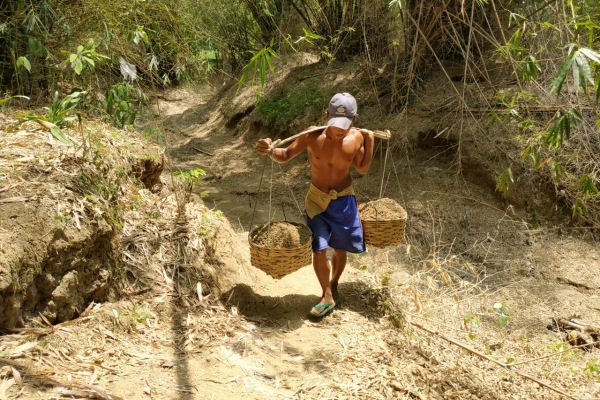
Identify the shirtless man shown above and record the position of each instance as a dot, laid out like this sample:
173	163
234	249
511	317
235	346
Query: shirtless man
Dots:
331	209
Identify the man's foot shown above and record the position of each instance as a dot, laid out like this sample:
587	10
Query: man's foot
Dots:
321	309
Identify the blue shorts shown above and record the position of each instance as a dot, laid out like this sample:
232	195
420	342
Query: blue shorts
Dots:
338	227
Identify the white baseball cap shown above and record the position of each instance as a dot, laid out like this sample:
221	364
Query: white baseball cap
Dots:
342	110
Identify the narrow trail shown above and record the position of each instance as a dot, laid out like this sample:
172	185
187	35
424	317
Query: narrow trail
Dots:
473	239
288	355
284	353
467	251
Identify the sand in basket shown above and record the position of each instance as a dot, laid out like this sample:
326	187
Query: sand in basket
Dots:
280	248
383	222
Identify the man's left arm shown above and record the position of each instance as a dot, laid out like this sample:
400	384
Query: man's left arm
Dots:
364	156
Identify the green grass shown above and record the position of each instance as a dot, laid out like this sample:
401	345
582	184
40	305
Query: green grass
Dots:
306	98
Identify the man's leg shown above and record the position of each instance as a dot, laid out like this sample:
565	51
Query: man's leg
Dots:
321	266
338	263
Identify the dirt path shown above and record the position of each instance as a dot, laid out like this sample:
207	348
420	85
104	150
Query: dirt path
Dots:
467	252
466	229
284	353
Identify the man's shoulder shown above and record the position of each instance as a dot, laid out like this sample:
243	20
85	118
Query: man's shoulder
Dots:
315	133
356	135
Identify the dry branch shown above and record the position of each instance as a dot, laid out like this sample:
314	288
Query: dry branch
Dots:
499	363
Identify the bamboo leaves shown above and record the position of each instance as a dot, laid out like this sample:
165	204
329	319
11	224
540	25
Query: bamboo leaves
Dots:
504	181
561	129
258	64
578	62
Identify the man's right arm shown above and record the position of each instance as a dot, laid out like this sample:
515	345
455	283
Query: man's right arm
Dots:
282	155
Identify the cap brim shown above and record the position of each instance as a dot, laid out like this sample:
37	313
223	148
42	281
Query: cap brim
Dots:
339	122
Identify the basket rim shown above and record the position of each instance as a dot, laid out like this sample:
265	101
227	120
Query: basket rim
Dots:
382	220
253	232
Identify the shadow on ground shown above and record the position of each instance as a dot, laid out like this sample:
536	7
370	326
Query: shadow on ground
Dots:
290	311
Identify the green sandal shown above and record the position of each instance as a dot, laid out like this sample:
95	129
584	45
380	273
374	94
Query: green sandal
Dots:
321	309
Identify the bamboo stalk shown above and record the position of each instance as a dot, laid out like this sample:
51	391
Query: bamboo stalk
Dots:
280	142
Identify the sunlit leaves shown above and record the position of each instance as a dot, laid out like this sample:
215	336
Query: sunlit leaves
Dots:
397	3
309	37
84	59
61	136
578	62
191	176
560	131
61	108
587	187
138	36
153	64
258	64
532	155
558	171
529	69
121	103
504	181
24	62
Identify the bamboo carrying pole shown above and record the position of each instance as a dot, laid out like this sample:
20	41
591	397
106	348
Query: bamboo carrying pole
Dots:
280	142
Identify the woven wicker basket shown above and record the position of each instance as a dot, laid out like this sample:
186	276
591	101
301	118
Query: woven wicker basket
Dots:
384	232
279	262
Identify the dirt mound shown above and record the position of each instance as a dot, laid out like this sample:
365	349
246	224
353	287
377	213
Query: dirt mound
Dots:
280	235
382	209
60	216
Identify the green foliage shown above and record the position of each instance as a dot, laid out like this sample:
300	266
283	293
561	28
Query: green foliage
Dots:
531	155
121	103
4	101
558	171
513	49
84	59
508	106
504	181
191	177
23	62
309	37
535	218
139	35
153	133
529	69
503	313
283	108
587	187
593	368
258	64
560	131
578	62
60	109
471	323
138	314
61	136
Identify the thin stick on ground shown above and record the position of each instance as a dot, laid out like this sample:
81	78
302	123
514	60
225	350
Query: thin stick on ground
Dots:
503	365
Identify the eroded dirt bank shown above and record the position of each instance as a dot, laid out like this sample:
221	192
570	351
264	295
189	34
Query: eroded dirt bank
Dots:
197	321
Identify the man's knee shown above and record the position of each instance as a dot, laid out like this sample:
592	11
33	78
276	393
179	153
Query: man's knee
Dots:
320	253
